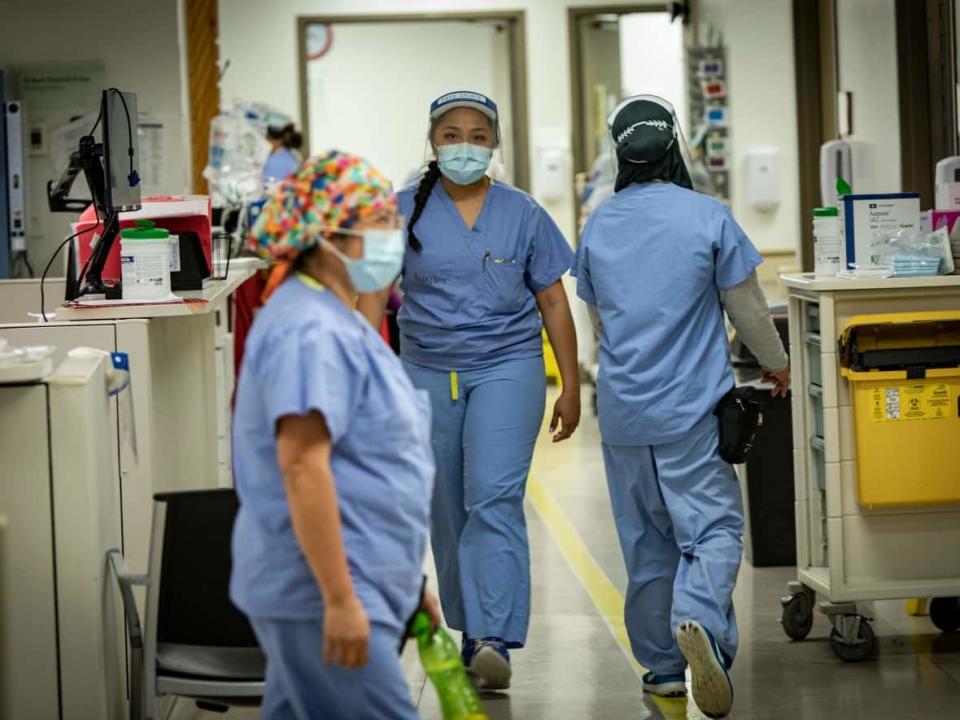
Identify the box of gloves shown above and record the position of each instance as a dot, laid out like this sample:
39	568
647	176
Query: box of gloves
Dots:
869	221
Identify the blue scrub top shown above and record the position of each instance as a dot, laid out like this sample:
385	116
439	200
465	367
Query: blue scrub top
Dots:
306	352
654	259
280	165
469	295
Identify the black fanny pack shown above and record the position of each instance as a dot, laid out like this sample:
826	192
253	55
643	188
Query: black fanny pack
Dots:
740	412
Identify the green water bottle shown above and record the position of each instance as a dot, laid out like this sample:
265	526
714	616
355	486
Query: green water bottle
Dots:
441	661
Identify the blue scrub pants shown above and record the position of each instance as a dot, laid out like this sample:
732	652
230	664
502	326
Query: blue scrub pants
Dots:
484	432
300	686
679	515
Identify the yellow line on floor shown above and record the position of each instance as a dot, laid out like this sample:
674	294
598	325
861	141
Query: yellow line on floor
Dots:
604	594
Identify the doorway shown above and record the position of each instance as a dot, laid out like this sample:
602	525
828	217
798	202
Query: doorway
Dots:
616	53
352	99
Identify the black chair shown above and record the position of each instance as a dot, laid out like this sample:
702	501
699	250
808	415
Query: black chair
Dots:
194	642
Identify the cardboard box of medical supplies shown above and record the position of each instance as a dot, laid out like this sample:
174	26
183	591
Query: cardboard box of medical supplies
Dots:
867	221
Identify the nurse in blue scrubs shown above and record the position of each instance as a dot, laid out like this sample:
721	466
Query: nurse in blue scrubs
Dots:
284	158
332	457
481	279
661	263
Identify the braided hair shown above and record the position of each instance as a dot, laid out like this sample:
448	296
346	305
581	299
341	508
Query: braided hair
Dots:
423	193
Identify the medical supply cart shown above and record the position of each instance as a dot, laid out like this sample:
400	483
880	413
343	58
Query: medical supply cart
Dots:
875	374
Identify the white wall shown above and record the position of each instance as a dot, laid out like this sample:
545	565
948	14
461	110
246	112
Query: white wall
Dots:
652	59
355	107
139	43
867	42
260	39
763	107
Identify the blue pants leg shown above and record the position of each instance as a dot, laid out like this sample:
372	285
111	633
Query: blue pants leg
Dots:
483	443
300	686
505	408
650	553
703	497
448	513
681	494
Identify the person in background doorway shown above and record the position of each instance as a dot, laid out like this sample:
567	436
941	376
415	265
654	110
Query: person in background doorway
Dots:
332	457
660	263
284	159
481	278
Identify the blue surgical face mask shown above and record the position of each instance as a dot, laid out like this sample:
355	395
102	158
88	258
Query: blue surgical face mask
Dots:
464	163
382	259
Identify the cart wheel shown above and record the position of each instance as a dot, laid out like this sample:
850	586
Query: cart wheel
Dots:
945	614
863	648
797	618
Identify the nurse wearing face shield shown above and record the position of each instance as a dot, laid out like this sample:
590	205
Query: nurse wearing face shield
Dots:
481	278
332	456
661	263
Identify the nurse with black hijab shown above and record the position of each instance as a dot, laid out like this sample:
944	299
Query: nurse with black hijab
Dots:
660	263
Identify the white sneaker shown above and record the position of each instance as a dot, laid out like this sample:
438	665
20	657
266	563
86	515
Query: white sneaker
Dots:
712	689
491	665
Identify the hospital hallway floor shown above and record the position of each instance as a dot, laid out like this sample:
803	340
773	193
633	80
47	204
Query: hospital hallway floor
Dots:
575	666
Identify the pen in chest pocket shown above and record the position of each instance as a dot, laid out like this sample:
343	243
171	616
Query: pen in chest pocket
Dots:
488	256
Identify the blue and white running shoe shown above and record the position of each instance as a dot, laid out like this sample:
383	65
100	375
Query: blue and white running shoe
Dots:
668	685
468	648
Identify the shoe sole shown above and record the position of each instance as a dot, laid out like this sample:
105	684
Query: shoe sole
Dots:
491	670
711	686
666	690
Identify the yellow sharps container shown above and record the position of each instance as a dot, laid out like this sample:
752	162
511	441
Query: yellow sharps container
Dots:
904	375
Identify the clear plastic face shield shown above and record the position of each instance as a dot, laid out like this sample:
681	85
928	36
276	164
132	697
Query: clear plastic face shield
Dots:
678	137
498	168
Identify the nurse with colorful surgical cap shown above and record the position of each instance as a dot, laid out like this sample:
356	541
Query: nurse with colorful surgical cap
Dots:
332	456
481	279
661	263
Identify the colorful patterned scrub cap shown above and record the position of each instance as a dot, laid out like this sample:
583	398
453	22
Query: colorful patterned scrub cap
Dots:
332	190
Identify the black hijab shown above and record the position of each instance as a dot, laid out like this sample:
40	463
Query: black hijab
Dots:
647	146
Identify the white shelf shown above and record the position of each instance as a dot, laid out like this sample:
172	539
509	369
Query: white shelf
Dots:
199	302
808	281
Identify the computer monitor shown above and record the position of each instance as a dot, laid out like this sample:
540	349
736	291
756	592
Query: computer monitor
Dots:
121	151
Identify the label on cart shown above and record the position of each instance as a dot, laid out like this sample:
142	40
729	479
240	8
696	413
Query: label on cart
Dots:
937	402
893	403
911	402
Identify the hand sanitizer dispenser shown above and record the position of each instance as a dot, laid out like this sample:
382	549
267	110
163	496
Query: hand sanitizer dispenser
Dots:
763	178
836	161
948	184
